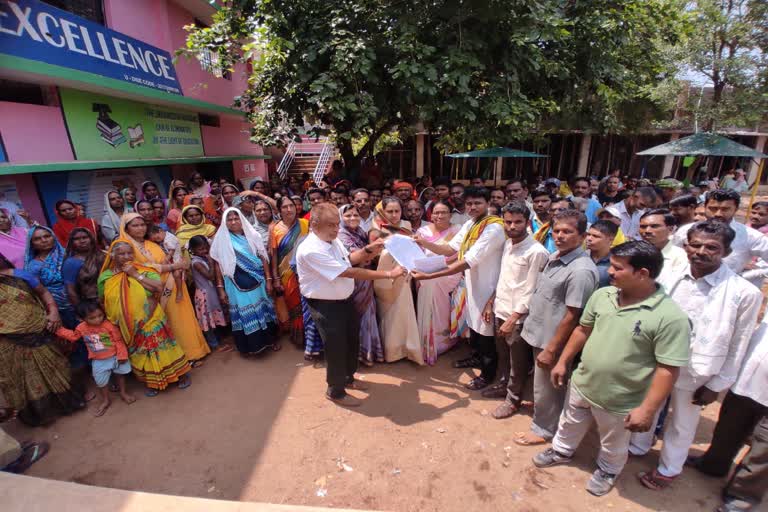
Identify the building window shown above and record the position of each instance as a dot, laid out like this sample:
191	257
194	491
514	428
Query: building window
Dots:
92	10
20	92
209	60
209	120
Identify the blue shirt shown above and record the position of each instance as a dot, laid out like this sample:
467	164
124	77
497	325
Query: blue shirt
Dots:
602	270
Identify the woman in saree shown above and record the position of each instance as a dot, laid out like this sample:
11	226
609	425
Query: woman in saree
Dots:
193	224
244	282
34	375
129	196
354	238
13	239
394	300
433	305
133	300
68	218
114	208
82	264
284	237
388	217
175	204
179	309
228	194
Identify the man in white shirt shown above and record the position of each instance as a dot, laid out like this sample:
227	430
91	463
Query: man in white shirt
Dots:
479	244
327	276
749	243
723	309
656	227
631	209
522	260
744	412
361	198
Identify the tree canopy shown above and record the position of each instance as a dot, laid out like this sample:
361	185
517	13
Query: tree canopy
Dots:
725	52
479	72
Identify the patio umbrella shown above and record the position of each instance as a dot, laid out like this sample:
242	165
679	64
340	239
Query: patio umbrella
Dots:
497	152
709	144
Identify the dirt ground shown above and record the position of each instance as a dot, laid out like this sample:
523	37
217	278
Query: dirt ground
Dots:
260	430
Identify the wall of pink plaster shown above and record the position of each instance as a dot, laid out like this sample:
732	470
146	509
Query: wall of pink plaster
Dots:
34	133
25	185
161	23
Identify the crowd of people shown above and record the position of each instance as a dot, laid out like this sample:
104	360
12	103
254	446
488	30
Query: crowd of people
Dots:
627	303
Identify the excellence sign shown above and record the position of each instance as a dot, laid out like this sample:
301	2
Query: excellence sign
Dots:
36	31
106	128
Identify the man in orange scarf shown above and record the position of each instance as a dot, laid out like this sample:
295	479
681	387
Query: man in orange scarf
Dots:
479	245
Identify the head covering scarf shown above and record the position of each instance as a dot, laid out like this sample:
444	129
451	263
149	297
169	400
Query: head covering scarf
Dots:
144	186
222	249
356	237
421	195
63	227
187	230
404	184
386	223
224	203
51	270
112	217
13	245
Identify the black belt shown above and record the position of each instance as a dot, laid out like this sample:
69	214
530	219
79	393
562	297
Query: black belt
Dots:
333	301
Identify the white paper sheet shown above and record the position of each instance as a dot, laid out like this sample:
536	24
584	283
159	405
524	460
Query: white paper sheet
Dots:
430	264
404	250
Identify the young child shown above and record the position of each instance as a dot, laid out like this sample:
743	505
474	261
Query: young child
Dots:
106	350
207	305
157	235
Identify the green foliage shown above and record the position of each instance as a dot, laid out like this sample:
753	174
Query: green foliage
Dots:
480	72
725	51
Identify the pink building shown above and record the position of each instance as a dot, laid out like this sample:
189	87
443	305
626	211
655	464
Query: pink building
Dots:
91	100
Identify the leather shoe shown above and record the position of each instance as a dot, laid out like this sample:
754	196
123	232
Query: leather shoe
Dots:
469	362
345	401
495	391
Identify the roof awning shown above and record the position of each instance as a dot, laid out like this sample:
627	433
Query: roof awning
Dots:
32	71
88	165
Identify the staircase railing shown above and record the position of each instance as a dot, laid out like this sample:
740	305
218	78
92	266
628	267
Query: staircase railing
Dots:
285	163
322	162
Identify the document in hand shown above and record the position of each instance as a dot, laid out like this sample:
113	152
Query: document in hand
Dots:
404	250
430	264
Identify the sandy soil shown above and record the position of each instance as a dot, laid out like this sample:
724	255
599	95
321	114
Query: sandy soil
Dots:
260	430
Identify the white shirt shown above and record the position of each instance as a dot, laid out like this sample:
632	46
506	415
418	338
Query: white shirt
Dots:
630	224
172	245
753	376
748	243
367	224
723	309
521	265
675	262
484	260
459	218
319	265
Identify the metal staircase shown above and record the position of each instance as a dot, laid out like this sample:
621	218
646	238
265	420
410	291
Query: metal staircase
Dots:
310	156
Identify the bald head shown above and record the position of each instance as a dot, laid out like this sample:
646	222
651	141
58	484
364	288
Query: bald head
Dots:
324	220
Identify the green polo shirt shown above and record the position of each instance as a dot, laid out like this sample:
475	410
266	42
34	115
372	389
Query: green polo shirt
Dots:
620	356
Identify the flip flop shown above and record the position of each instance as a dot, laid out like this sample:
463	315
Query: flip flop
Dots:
30	454
654	480
522	441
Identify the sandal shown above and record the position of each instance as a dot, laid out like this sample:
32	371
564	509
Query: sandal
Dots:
477	383
197	363
151	392
654	480
505	410
30	454
7	414
185	382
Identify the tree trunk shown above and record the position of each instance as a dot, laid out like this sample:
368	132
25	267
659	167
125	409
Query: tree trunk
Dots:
351	160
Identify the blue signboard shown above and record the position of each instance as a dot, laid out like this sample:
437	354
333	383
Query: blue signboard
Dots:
35	30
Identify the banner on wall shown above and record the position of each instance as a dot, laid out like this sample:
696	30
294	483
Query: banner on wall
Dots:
37	31
88	187
106	128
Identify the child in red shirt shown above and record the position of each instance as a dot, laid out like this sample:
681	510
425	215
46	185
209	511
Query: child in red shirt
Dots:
106	350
